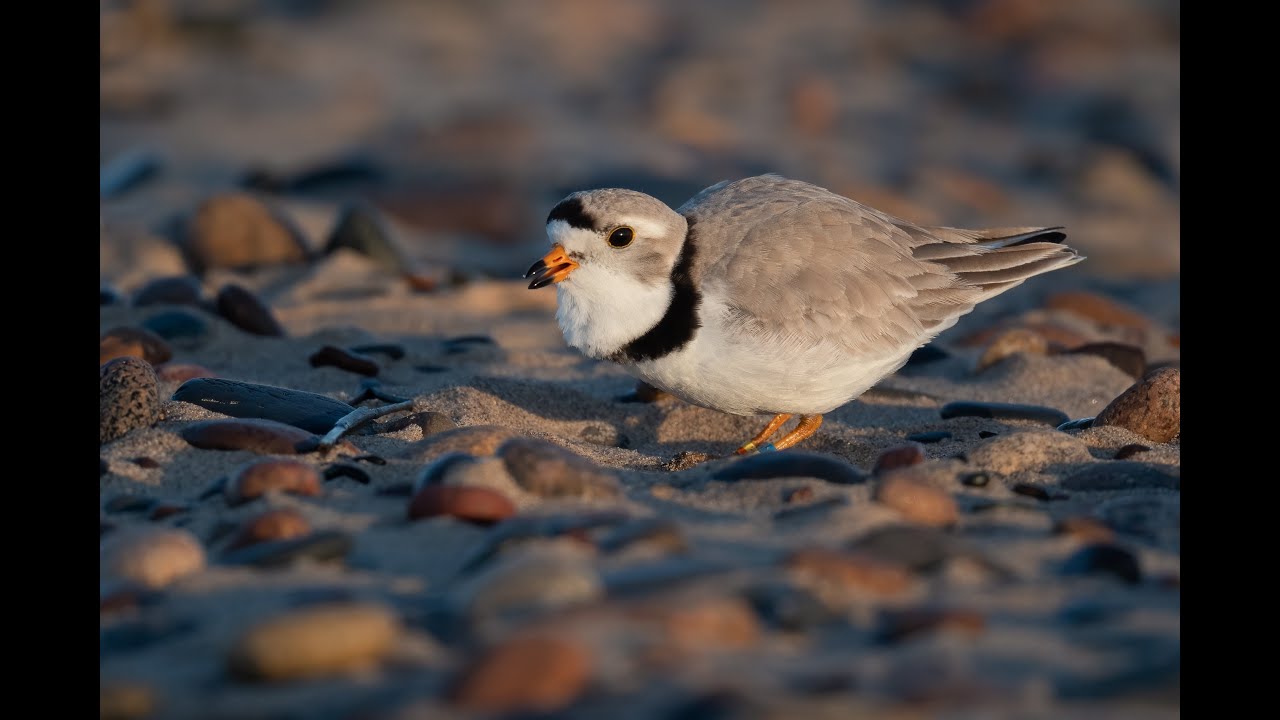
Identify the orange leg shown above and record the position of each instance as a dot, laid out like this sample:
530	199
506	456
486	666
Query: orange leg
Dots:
765	434
809	424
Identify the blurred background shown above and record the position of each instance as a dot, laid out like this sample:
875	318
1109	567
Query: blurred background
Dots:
462	122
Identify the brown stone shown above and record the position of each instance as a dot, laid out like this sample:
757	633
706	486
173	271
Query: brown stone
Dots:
125	701
475	504
235	230
1150	408
698	625
182	372
133	342
1057	335
128	397
1102	310
287	476
1010	342
267	437
315	642
548	470
531	671
282	523
917	500
848	572
1028	449
899	456
244	310
898	625
1085	529
1127	358
332	356
150	557
478	440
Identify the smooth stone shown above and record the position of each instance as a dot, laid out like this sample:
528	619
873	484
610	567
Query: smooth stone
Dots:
306	410
1085	528
237	231
1130	450
845	573
172	290
1077	424
478	440
1104	559
555	574
916	500
1127	358
326	546
266	437
438	470
1003	411
520	529
264	476
186	330
128	397
315	642
899	625
133	342
532	672
331	356
277	524
984	434
432	423
182	372
1124	475
791	463
604	434
1102	310
337	174
150	557
473	504
899	456
244	310
125	701
1151	407
698	624
361	228
655	533
548	470
930	437
1028	449
920	549
1011	342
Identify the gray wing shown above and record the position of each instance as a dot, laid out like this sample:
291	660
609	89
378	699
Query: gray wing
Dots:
801	264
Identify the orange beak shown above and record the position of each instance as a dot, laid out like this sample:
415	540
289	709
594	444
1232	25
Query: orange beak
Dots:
552	268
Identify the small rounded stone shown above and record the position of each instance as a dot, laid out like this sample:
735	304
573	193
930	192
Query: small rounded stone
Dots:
277	524
260	436
125	701
477	440
916	500
244	310
151	557
1150	408
531	671
848	572
288	476
133	342
548	470
236	230
128	397
315	642
474	504
172	290
900	456
1010	342
1102	310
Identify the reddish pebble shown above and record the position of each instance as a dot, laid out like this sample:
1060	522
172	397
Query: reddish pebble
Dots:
288	476
1150	408
900	456
182	372
897	625
474	504
258	435
1102	310
278	524
916	500
848	572
133	342
537	672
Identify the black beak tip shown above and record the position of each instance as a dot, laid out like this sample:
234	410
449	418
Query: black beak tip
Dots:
535	268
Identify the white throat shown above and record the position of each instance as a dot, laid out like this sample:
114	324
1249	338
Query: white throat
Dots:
600	311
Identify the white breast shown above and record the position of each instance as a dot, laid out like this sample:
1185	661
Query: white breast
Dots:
600	310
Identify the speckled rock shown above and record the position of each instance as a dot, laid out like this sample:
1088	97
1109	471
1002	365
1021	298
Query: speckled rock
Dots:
478	440
172	290
548	470
267	437
306	410
1150	408
315	642
150	557
128	397
235	230
257	479
244	310
1010	342
916	500
474	504
133	342
1027	450
531	671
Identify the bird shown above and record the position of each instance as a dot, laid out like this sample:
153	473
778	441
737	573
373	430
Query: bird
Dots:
768	295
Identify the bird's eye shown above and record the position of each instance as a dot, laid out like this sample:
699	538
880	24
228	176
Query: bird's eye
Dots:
621	237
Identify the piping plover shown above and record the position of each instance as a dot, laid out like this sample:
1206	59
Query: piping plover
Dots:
767	295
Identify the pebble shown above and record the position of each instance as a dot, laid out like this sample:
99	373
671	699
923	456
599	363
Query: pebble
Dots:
257	479
1124	475
332	356
1129	451
1085	528
326	546
550	574
317	641
848	573
478	440
1059	337
128	397
1102	310
360	228
920	549
439	469
1104	559
696	625
1003	411
235	230
277	524
182	372
182	328
984	434
900	456
1127	358
1011	342
917	500
267	437
898	625
306	410
172	290
133	342
1028	449
548	470
473	504
150	557
1150	408
108	296
604	434
930	437
793	464
125	701
244	310
531	671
